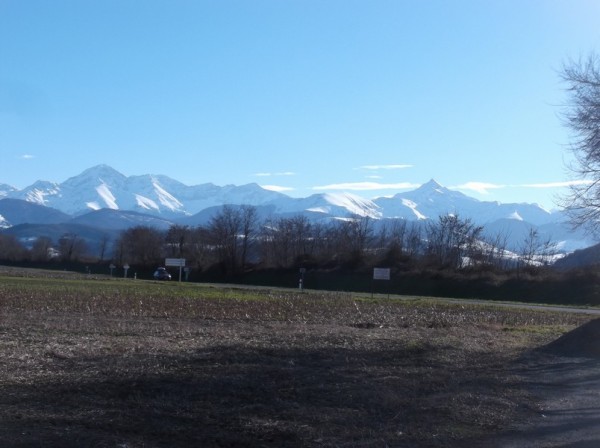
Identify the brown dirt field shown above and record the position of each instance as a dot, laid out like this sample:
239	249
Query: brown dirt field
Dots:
224	373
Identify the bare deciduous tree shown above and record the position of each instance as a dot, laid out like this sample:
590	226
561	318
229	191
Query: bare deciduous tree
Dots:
582	117
231	232
248	219
139	245
287	240
104	241
11	249
71	247
451	240
413	241
536	251
40	251
177	238
494	251
349	238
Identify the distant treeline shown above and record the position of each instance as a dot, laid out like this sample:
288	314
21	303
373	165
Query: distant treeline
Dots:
449	256
234	241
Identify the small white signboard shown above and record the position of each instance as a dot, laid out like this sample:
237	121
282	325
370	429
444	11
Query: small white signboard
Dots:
381	273
180	262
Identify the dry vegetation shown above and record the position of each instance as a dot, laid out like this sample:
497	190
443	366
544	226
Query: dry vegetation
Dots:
113	363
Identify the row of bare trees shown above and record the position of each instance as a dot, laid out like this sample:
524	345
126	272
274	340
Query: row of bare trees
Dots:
235	239
69	247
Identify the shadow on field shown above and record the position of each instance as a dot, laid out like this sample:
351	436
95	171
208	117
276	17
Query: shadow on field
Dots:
567	414
566	390
236	396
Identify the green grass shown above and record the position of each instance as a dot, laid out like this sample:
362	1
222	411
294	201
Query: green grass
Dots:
120	297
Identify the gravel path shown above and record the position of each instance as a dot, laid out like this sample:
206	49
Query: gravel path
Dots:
566	411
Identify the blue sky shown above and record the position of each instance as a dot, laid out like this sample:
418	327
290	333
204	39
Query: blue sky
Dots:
304	96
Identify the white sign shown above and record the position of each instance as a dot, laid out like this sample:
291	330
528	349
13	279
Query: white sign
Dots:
381	273
175	262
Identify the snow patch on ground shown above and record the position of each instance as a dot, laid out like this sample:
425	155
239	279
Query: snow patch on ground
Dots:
515	215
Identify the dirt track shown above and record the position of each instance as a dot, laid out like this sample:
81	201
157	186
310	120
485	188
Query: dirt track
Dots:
567	412
564	379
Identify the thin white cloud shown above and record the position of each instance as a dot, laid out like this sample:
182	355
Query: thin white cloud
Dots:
283	173
277	188
367	186
485	187
27	157
479	187
558	184
384	167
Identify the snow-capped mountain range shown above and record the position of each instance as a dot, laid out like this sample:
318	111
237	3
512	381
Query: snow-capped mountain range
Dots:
103	187
159	200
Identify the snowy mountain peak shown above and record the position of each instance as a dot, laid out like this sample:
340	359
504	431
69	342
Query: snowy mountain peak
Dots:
97	175
38	193
102	171
432	187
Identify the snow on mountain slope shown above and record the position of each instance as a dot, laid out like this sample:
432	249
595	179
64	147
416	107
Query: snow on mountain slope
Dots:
149	194
431	200
103	187
413	206
146	203
6	190
515	215
107	197
165	198
354	204
338	205
38	193
92	189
